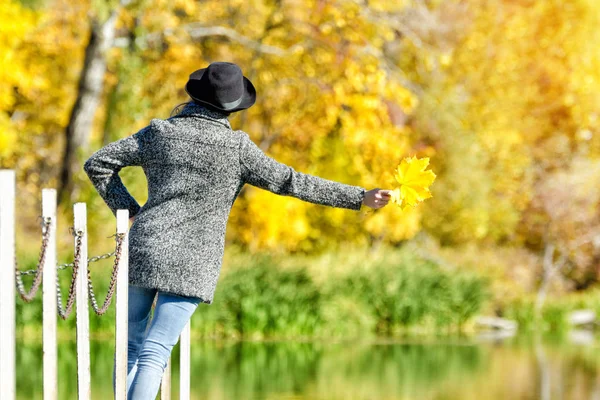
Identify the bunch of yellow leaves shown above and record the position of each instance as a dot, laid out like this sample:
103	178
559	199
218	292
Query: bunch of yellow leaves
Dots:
414	182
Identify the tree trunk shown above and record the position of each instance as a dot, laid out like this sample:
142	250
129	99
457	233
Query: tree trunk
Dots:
548	271
91	83
551	268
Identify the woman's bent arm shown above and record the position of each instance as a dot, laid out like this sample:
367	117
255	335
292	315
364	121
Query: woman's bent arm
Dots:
262	171
103	170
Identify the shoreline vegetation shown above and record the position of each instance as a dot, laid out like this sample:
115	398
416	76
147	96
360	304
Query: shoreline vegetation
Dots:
391	294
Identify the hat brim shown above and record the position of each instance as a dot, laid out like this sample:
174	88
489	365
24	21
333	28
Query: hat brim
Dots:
248	98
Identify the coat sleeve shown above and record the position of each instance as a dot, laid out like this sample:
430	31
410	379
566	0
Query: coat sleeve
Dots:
264	172
103	168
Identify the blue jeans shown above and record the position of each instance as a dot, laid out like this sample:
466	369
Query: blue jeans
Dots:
150	345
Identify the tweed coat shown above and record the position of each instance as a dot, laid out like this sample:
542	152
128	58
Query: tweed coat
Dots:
195	165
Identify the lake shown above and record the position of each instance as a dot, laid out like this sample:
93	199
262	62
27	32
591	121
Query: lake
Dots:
442	369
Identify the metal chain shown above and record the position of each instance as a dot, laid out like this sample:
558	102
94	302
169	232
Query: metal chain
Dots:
67	265
113	280
64	314
28	296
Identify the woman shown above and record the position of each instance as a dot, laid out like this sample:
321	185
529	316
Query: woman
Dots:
196	166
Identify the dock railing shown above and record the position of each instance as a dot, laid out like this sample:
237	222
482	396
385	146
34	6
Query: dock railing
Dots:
81	290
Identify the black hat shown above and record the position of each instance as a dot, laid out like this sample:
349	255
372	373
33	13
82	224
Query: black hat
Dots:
221	86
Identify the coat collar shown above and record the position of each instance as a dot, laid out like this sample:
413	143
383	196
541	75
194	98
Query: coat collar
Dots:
192	109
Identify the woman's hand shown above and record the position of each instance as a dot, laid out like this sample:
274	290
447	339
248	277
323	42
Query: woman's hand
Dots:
377	198
131	219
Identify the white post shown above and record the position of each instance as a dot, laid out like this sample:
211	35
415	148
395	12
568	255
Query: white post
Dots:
7	285
184	363
121	332
83	318
165	385
49	299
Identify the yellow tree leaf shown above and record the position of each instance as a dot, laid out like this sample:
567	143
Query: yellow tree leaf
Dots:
414	180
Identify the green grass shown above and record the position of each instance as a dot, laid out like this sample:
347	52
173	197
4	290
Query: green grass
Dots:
554	313
334	296
408	295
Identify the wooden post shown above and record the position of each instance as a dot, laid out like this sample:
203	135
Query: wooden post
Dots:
7	285
49	299
184	363
83	318
121	332
165	385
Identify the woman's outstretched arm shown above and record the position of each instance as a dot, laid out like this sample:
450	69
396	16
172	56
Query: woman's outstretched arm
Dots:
103	168
262	171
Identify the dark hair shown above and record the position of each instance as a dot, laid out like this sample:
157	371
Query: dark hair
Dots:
179	107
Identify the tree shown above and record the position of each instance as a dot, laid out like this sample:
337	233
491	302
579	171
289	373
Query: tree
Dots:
89	92
565	221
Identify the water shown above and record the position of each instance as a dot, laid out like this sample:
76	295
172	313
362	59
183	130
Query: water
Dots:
441	370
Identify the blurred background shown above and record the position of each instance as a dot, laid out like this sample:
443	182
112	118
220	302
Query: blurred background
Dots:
502	95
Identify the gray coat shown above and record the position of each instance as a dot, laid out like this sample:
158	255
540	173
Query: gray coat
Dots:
196	166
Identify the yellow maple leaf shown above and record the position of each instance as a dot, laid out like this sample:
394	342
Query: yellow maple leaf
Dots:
414	182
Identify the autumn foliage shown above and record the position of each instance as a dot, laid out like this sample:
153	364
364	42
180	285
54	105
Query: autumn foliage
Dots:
501	96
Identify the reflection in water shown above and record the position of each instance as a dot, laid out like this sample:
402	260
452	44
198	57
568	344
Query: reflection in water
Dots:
318	370
350	370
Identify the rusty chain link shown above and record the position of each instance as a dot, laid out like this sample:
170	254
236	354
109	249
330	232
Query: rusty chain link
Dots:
61	267
113	279
67	265
64	314
28	296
